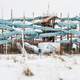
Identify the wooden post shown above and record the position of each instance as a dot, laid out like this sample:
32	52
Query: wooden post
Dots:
53	21
23	29
33	22
2	44
24	23
68	35
71	42
6	47
22	42
11	21
2	28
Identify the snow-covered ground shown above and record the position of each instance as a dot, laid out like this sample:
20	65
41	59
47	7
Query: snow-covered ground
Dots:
65	67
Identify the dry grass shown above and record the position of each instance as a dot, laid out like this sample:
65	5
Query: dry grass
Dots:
28	72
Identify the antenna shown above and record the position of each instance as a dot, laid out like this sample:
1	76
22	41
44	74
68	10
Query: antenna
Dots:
61	15
79	22
24	17
48	9
33	14
33	17
2	13
11	14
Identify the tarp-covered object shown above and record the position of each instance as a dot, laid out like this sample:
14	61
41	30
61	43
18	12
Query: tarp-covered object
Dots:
71	40
47	47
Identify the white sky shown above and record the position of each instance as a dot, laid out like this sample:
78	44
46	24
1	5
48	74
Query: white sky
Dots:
39	7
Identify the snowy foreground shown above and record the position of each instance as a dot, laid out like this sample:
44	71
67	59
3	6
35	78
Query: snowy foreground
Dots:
55	67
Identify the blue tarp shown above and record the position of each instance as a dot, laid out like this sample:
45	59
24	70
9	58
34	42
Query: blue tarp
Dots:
68	25
3	26
76	18
4	41
52	34
72	31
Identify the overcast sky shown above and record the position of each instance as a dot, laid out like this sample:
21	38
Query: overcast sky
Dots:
39	7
